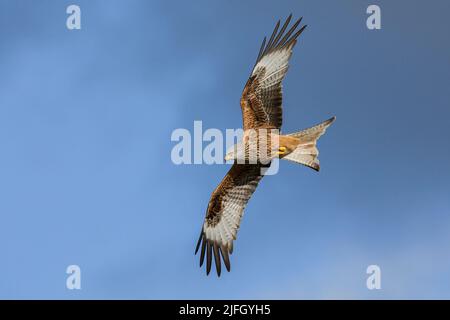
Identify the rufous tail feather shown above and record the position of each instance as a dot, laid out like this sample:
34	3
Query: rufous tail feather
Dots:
306	152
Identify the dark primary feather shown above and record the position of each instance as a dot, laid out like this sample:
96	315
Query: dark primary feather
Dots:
283	28
217	258
269	44
261	50
218	251
277	43
208	257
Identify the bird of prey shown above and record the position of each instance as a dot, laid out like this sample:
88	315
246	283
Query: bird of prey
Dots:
261	105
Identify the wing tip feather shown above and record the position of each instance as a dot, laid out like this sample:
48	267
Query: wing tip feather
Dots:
286	39
210	248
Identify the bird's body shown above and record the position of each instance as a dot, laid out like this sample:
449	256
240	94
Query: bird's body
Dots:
262	142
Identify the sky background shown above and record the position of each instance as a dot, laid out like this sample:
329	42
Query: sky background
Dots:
86	176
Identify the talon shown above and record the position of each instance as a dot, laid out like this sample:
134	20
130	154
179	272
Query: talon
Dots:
281	150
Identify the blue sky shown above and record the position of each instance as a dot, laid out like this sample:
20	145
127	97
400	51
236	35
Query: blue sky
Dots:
86	176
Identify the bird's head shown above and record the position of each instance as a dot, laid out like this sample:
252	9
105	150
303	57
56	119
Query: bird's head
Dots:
235	152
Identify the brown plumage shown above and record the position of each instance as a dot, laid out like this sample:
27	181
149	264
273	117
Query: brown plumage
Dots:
235	189
261	105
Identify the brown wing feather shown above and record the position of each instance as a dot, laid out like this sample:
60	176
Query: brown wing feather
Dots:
261	100
224	213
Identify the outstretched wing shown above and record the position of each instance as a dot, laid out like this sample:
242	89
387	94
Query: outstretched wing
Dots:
262	95
225	210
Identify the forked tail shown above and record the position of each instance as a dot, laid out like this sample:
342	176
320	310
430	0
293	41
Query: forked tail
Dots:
306	152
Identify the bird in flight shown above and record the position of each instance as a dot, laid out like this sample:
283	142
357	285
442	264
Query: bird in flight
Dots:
261	105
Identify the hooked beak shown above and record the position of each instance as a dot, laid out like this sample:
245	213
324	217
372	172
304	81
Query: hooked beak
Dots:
228	157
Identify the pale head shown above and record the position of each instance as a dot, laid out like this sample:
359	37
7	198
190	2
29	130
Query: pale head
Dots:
235	152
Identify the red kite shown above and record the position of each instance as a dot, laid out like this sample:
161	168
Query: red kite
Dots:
261	110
